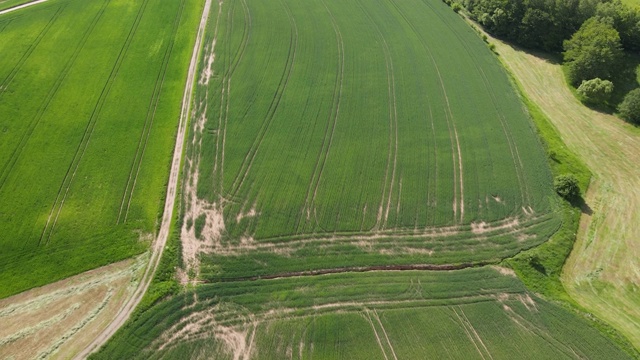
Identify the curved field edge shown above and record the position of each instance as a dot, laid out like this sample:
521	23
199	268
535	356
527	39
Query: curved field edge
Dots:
9	5
244	218
577	138
478	309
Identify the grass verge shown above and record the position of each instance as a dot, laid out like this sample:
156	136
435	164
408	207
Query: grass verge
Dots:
540	268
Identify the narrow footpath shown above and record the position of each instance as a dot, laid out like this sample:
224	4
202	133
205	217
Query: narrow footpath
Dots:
158	247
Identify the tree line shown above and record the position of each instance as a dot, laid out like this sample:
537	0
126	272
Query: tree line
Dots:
595	37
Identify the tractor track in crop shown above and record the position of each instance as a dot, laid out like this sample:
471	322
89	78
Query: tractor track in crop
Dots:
513	147
393	129
250	157
223	120
49	98
357	269
21	6
458	183
159	244
65	187
327	140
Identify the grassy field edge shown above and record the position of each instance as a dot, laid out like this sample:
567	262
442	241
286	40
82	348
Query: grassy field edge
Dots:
540	268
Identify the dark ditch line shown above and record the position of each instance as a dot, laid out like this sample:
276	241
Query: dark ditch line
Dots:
357	269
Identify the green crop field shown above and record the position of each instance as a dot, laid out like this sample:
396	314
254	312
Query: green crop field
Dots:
355	133
90	97
354	174
466	314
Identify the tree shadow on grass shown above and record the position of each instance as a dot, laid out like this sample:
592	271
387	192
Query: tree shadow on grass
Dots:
550	57
581	204
627	79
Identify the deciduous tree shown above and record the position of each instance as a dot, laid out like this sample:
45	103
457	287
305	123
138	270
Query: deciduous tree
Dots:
594	51
630	107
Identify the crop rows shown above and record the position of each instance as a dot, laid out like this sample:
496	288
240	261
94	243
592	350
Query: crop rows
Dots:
349	129
375	315
89	93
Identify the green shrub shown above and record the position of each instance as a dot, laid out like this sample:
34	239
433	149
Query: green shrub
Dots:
456	7
596	91
566	186
630	107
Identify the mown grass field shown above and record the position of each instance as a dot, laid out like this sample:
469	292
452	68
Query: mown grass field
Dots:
336	134
340	135
473	313
602	272
90	96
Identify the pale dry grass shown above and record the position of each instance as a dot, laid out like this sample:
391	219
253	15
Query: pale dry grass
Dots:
603	268
60	319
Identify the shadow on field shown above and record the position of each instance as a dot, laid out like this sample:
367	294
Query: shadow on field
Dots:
580	203
626	79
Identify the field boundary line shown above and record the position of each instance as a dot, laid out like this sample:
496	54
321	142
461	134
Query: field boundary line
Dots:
393	352
367	316
15	155
468	333
22	6
151	114
14	71
163	234
86	137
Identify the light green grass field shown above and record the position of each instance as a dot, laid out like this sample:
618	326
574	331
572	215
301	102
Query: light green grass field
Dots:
89	95
467	314
335	134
